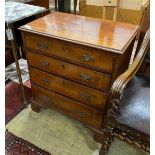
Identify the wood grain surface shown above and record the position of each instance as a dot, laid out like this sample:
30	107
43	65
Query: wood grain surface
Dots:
108	35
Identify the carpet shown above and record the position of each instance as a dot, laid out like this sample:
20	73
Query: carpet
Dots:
17	146
62	135
28	84
13	100
11	73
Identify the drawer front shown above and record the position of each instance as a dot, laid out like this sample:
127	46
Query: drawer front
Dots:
68	88
72	108
76	73
77	54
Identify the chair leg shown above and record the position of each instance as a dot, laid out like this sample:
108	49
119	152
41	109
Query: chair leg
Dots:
107	140
56	5
102	151
75	5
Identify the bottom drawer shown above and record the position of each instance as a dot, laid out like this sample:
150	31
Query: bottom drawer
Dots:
70	107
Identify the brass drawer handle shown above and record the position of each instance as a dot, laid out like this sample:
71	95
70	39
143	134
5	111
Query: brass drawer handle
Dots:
87	58
42	45
44	63
46	81
80	113
85	76
45	99
84	95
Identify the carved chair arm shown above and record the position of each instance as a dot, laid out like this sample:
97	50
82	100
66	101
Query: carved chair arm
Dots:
121	82
118	87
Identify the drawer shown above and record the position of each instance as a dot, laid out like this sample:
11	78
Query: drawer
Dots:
72	72
72	108
85	56
68	88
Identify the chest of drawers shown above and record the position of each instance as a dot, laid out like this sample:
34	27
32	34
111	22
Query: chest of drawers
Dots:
73	61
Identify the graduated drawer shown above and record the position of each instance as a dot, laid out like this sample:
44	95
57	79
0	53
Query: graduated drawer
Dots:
68	88
90	57
72	72
70	107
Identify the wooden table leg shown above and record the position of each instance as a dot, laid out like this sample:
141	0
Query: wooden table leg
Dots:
14	49
56	5
75	5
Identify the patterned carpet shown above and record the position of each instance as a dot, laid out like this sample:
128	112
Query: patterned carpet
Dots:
11	73
13	100
17	146
61	135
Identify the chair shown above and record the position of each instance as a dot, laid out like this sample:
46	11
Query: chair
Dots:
124	14
127	115
56	5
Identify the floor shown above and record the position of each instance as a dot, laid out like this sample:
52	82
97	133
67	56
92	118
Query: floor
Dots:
61	135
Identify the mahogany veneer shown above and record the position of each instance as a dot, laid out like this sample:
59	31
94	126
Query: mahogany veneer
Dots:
73	61
42	3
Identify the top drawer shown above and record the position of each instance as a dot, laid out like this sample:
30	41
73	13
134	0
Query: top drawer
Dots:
89	57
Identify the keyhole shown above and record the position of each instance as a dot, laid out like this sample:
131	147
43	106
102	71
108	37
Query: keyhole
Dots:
64	49
62	65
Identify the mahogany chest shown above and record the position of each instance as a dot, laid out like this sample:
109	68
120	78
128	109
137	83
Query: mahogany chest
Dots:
73	61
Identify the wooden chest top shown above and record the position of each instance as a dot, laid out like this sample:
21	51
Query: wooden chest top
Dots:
102	34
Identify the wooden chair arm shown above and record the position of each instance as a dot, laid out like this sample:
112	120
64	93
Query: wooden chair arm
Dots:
121	82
